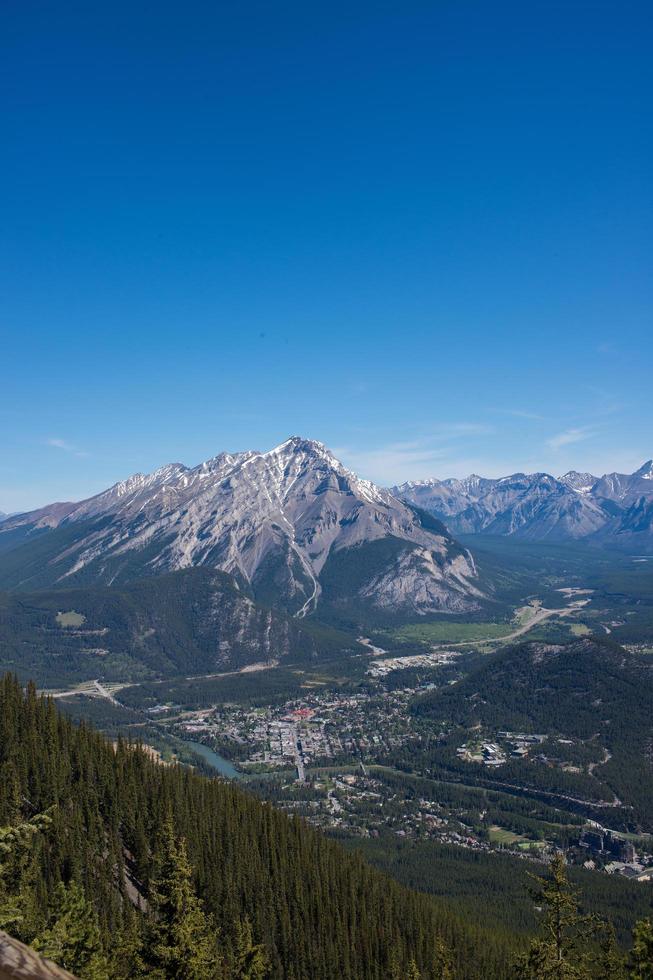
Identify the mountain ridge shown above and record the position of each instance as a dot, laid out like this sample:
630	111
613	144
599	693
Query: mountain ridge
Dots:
615	508
271	519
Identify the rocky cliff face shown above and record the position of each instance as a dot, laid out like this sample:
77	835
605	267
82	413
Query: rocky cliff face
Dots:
270	519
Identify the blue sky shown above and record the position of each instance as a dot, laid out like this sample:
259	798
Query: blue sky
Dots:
418	232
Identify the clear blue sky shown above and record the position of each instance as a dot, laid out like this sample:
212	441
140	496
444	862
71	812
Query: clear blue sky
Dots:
419	232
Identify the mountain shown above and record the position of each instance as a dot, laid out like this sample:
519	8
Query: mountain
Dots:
612	509
580	482
280	522
626	488
526	505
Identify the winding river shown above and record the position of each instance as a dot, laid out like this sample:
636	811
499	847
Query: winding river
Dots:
223	766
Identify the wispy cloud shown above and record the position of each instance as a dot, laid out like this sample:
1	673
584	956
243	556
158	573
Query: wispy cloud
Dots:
66	447
518	413
570	436
455	430
411	459
604	402
391	463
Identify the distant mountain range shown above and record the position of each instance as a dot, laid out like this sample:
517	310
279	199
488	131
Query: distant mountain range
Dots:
292	526
614	509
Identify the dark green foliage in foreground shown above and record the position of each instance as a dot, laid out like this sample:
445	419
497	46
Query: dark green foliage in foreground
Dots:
641	958
569	946
572	946
71	937
319	912
180	937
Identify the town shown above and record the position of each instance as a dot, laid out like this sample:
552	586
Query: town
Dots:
320	728
327	758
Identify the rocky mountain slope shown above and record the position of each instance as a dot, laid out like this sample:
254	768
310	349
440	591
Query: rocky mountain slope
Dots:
273	520
615	509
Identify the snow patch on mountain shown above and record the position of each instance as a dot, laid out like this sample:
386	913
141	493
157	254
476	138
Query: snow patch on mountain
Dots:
264	517
537	506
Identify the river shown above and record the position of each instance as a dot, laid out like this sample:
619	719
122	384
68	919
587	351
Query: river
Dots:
223	766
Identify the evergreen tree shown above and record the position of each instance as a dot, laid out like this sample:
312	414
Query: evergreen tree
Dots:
127	960
608	960
442	966
413	971
15	844
182	941
572	946
251	961
72	938
558	954
402	970
642	951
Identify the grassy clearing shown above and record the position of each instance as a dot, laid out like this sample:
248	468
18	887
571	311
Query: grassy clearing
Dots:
499	835
580	629
72	618
452	632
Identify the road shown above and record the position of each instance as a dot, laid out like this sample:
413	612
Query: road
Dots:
89	688
538	617
102	691
366	642
299	757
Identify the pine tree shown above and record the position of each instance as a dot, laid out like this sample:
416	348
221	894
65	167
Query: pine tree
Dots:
73	937
251	961
642	951
182	941
608	961
15	846
558	955
442	966
10	794
127	960
403	971
413	971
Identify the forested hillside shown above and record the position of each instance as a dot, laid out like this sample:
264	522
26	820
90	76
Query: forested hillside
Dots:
591	690
115	821
190	622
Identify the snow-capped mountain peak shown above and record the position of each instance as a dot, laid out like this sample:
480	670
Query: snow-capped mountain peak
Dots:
536	505
580	482
273	519
645	472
